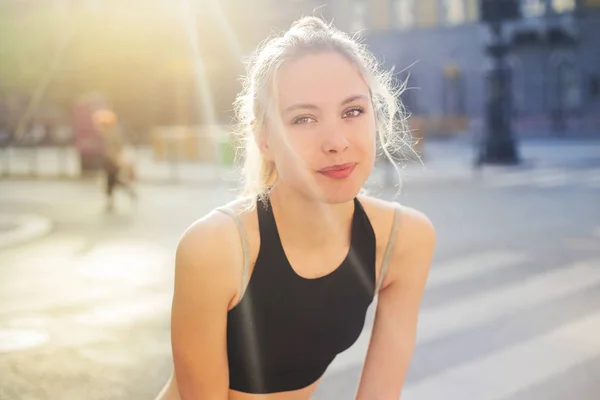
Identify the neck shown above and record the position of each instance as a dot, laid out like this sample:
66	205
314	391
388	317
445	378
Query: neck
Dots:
309	223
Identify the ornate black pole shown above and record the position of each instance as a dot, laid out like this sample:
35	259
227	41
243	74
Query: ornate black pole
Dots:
498	146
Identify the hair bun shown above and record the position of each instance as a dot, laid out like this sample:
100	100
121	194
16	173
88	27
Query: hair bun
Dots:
311	23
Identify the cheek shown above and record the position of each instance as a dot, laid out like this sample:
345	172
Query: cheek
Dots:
296	145
294	152
364	139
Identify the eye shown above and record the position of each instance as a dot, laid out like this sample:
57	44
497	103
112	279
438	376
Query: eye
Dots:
302	120
353	112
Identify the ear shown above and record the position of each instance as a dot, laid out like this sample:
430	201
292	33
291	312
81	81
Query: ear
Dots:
261	136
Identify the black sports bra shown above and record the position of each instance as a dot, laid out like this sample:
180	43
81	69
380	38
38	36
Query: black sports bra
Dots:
287	329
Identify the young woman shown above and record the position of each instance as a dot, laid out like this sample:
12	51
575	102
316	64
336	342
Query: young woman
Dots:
271	287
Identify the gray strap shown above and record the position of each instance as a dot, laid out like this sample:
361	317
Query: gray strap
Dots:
245	247
389	249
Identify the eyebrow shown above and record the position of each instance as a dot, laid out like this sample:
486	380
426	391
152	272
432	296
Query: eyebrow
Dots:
314	107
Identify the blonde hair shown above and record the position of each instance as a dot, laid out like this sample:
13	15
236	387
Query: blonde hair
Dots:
311	35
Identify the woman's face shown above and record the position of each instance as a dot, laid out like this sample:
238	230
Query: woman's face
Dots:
323	141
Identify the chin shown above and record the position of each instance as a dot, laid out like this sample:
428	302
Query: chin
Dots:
341	192
337	198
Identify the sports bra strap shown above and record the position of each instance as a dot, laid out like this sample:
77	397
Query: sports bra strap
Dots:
389	249
246	251
245	247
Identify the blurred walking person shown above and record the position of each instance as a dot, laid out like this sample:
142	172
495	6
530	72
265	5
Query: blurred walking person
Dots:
117	167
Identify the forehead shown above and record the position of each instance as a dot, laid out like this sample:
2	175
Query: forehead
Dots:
320	79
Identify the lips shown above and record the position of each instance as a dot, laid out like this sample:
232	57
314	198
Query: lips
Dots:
340	171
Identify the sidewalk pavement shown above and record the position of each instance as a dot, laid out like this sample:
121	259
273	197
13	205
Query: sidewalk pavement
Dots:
16	229
443	161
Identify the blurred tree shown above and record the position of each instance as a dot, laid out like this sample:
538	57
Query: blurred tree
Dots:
27	42
121	55
139	58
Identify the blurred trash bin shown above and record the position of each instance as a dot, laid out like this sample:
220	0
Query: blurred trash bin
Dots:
227	144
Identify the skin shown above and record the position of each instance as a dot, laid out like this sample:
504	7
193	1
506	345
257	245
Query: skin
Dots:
334	124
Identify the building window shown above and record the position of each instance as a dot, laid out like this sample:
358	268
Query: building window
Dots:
403	12
453	91
358	17
533	8
570	81
408	96
565	89
455	11
567	94
563	6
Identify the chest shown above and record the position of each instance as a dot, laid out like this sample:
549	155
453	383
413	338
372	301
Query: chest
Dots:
293	318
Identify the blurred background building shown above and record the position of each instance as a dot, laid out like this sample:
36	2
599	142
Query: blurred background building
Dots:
160	63
554	59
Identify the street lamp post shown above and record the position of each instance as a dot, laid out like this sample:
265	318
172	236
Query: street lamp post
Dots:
498	146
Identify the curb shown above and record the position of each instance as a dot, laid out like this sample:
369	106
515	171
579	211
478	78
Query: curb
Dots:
28	227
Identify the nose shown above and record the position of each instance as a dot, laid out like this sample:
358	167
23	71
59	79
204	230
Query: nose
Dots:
335	141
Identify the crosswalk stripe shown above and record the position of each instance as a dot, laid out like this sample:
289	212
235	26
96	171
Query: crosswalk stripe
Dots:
513	179
475	310
472	266
592	178
504	373
554	179
456	269
547	178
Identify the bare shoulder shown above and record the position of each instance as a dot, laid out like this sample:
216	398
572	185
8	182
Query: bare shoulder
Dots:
208	246
210	252
214	231
414	242
381	216
414	226
205	239
415	232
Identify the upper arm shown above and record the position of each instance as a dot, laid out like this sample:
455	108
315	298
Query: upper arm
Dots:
394	331
203	290
405	282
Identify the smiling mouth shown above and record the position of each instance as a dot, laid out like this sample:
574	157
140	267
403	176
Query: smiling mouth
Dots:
340	171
